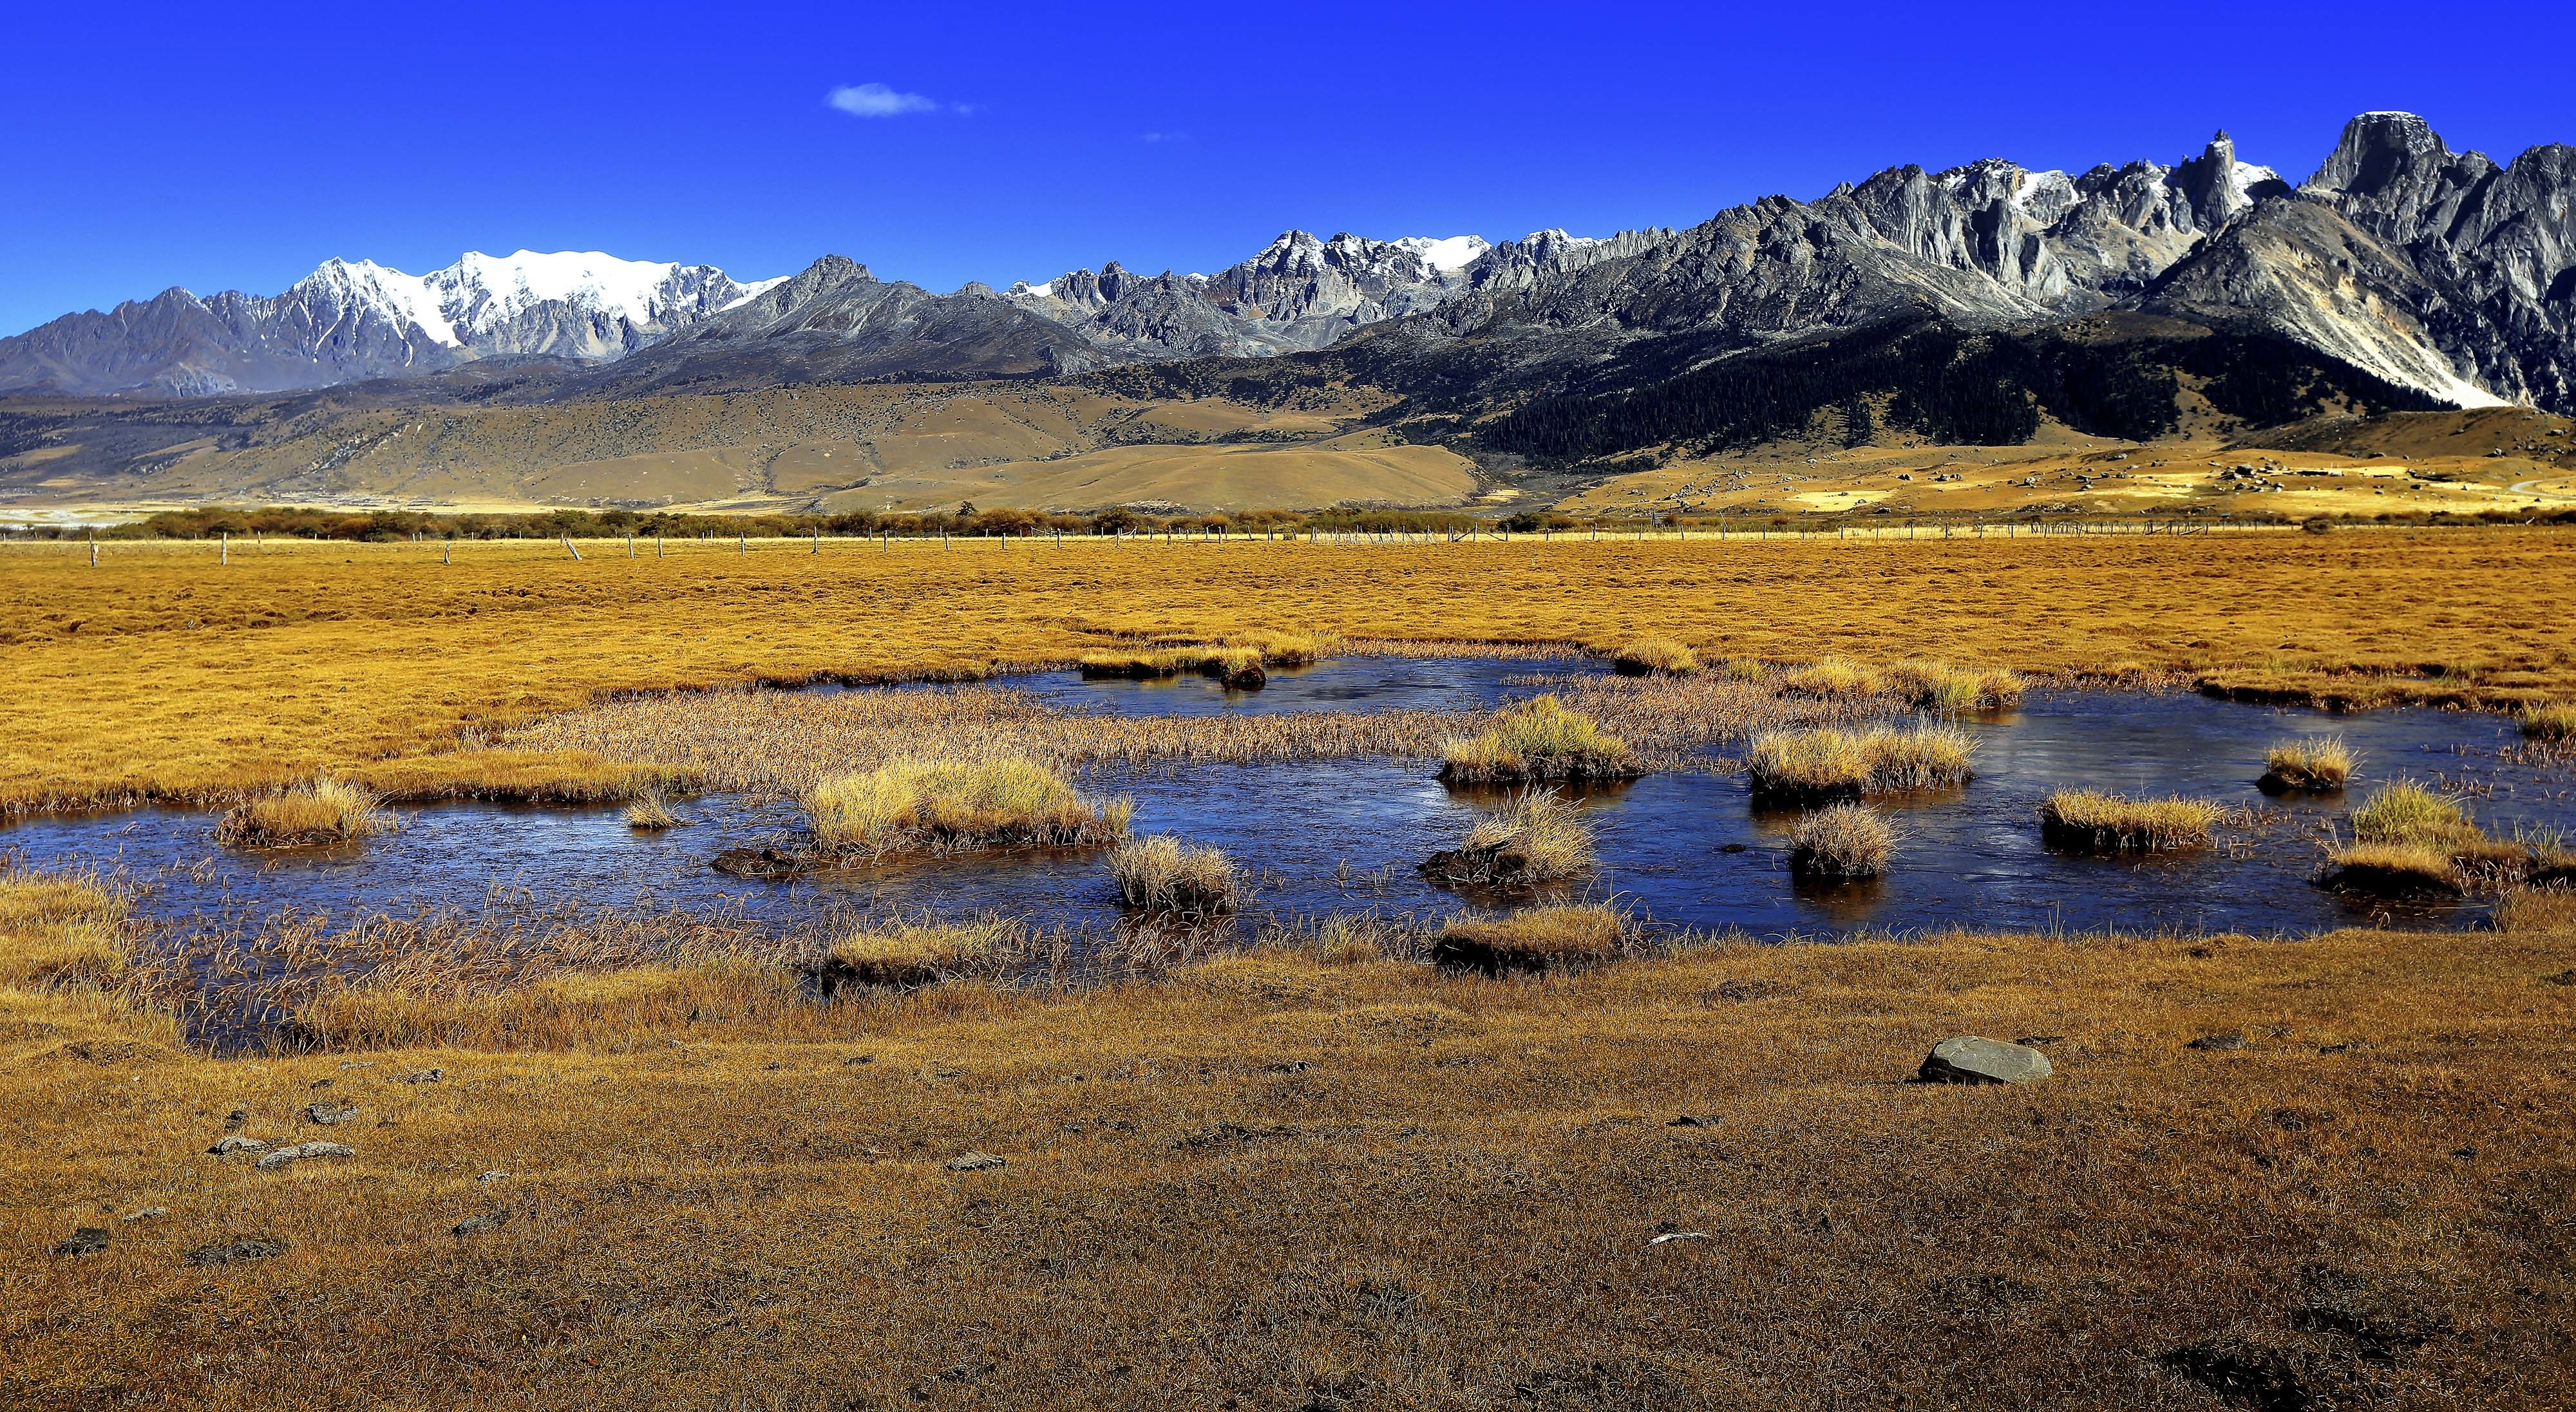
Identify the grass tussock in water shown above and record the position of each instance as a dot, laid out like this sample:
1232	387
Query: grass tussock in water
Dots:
651	813
911	805
1537	740
2394	870
325	811
1537	839
2088	821
1835	764
1286	649
1647	656
1953	690
2307	766
2406	812
1162	874
1842	841
2551	721
914	953
61	929
1565	937
1241	666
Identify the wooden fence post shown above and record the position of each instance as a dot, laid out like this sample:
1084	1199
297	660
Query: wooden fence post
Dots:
575	553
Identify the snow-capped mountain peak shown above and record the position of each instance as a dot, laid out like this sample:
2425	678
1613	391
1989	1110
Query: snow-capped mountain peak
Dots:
363	285
1445	254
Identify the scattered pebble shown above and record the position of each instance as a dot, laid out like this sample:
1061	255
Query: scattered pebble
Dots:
493	1176
1678	1235
328	1114
1974	1059
423	1076
236	1143
2209	1042
88	1240
1288	1066
148	1213
2039	1039
302	1150
860	1059
1688	1120
976	1162
254	1248
357	1063
482	1221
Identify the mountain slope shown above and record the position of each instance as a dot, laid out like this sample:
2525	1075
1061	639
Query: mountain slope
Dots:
351	320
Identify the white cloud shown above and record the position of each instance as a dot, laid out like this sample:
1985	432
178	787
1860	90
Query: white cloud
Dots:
875	100
1163	137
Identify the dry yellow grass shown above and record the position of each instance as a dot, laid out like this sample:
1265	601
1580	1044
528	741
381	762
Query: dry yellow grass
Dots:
913	805
2394	870
2407	812
1842	841
1537	739
322	811
161	674
1282	1181
1162	874
1831	764
1646	656
2552	720
2109	823
2307	766
1558	938
911	953
1538	838
60	929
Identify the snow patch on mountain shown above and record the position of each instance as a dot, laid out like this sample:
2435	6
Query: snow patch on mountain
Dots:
1445	254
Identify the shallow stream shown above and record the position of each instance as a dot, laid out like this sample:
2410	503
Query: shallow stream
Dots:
1347	834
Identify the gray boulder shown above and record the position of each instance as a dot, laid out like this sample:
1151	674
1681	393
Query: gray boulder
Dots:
302	1150
1974	1059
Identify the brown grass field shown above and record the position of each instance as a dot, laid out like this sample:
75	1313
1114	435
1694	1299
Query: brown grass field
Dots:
642	1162
1272	1181
163	674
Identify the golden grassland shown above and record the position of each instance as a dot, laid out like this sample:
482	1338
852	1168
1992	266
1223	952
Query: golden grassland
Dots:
162	674
1313	1176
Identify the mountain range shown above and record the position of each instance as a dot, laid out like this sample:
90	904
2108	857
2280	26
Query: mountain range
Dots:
2399	273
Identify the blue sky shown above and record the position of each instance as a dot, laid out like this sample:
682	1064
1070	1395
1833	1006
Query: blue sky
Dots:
146	145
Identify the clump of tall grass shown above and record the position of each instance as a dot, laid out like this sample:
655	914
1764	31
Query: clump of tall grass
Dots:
1646	656
2536	909
651	813
2093	822
2306	767
1830	764
2550	721
1953	690
1538	838
1164	875
1842	841
1238	666
325	811
61	928
1537	740
915	953
1833	677
2394	870
911	805
2406	812
1554	938
1286	649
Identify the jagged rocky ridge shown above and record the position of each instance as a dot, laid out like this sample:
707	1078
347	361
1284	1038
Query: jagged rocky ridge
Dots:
2441	275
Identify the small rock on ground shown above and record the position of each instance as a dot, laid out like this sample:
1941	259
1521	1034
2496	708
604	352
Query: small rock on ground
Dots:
88	1240
236	1143
148	1213
976	1162
494	1175
328	1114
231	1251
423	1076
482	1221
1974	1059
2207	1042
302	1150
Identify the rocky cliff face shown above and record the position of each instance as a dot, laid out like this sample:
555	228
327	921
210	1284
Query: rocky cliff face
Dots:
2438	272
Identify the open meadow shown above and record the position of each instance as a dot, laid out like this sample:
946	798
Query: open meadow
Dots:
1265	974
